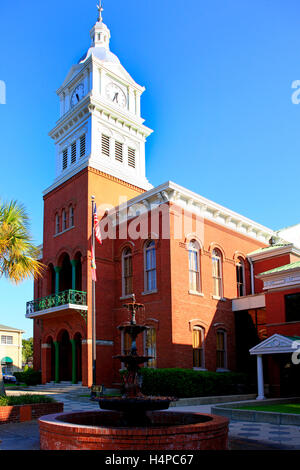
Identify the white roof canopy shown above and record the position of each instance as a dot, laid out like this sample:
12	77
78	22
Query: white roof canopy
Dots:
277	344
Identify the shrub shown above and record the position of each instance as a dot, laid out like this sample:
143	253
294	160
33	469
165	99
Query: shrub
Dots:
29	377
25	400
184	383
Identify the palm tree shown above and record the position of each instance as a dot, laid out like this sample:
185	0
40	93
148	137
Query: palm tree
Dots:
18	255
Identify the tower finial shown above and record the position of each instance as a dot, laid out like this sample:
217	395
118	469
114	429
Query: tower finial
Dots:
100	9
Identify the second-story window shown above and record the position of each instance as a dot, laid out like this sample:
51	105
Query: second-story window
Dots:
217	273
57	227
71	216
194	267
240	277
150	266
64	220
127	271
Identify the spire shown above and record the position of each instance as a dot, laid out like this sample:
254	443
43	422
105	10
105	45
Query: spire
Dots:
100	10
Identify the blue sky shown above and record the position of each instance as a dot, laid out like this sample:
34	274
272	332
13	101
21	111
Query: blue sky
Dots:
218	77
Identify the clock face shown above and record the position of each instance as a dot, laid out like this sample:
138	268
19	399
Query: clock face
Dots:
77	95
115	94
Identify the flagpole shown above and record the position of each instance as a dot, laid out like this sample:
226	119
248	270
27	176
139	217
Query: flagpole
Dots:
93	393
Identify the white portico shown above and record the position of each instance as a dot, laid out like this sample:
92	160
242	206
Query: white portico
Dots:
275	344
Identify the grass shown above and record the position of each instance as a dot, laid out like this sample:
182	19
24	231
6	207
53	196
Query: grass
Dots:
292	408
25	400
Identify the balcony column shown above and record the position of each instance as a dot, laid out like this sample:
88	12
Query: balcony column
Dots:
57	270
74	263
74	362
56	346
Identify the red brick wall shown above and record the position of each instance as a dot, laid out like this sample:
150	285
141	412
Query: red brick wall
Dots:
20	413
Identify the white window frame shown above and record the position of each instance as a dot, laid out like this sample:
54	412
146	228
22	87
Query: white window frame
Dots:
149	246
222	368
241	264
202	332
126	254
217	256
194	250
4	339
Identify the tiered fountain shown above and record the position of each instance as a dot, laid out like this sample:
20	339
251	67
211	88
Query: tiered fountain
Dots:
133	421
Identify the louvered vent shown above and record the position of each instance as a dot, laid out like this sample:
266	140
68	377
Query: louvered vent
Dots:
82	146
131	157
65	159
119	152
73	153
105	145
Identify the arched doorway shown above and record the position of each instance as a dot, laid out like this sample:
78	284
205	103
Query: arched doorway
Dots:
52	358
65	278
78	357
78	271
65	357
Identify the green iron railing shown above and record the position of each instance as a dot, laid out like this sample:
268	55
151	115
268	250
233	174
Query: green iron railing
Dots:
55	300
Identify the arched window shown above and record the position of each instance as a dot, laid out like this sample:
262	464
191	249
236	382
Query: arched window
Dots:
240	277
57	224
64	220
71	216
150	346
198	349
194	267
221	350
217	273
150	266
127	271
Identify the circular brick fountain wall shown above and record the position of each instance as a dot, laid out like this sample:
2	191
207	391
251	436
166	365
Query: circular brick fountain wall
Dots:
101	431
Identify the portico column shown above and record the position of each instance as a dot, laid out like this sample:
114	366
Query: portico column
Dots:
260	378
74	362
74	264
56	346
57	270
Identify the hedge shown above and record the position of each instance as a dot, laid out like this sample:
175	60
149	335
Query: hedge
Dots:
24	400
185	383
29	377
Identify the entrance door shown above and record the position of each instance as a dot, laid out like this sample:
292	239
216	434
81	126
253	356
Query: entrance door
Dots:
65	357
289	377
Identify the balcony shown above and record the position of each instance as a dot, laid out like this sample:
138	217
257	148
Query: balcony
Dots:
66	301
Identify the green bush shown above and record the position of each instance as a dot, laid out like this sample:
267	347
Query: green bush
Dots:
29	377
184	383
24	400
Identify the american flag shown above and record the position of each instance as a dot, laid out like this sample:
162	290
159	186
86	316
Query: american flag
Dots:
97	226
93	264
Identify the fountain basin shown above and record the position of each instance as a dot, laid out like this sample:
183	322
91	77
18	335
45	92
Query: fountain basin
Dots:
101	430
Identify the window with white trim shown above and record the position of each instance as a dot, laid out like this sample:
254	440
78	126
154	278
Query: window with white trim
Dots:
6	339
150	346
198	349
194	266
217	273
119	151
221	350
240	277
127	271
150	266
64	220
105	144
57	223
71	216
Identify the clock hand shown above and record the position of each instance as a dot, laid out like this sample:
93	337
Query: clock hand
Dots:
116	97
77	96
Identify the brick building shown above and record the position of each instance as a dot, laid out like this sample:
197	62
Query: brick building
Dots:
190	261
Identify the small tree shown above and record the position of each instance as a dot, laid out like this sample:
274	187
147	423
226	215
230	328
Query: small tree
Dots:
18	255
27	350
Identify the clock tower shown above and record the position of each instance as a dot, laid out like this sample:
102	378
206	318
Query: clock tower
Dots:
100	124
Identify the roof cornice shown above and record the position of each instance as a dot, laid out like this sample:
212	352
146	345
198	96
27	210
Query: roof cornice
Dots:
276	251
